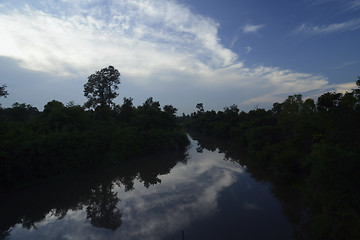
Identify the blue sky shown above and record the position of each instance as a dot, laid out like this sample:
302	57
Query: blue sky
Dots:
250	52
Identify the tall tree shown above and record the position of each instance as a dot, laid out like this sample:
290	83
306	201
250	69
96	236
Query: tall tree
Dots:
3	92
101	88
200	107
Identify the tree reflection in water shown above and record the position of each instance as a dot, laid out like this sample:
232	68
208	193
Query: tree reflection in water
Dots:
292	205
93	192
102	210
209	198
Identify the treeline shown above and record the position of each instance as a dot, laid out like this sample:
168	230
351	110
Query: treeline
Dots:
63	139
312	146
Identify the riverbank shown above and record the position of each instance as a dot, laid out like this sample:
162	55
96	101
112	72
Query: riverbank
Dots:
36	146
312	147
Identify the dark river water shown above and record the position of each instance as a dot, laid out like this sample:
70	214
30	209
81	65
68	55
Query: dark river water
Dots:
202	193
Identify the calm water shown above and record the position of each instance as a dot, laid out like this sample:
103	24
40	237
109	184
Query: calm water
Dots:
199	193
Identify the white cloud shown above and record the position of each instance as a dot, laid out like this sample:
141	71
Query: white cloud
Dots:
350	25
285	82
234	40
150	42
248	28
248	49
138	35
342	87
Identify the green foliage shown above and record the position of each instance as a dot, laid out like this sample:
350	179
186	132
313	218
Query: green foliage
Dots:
328	101
127	142
63	139
101	88
19	112
302	143
333	192
3	92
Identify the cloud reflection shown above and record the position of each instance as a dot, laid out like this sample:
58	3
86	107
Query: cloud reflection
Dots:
190	193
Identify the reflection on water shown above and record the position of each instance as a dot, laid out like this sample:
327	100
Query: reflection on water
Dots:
102	208
151	198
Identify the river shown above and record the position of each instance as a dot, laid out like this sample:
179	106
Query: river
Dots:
203	194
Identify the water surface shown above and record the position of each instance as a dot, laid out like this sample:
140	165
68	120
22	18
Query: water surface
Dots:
202	193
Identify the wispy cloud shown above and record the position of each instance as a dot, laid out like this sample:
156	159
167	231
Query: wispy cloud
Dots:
353	5
151	42
285	82
248	28
234	40
351	25
248	49
349	5
137	35
343	87
346	64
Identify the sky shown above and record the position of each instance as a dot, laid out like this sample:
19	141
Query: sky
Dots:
251	53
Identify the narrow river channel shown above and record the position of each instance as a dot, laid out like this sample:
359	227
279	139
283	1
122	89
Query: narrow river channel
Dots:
202	193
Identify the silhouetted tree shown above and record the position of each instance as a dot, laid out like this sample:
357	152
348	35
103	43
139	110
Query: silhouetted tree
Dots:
127	110
151	104
3	92
170	110
53	106
328	101
21	112
101	87
357	94
200	107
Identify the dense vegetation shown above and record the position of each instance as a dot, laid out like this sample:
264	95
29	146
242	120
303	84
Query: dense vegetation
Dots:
37	145
62	139
312	147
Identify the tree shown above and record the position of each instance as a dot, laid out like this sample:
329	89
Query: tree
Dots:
53	106
232	111
127	110
170	110
150	106
3	92
101	88
200	107
329	101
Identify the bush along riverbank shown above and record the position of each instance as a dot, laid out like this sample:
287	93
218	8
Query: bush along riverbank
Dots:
311	146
